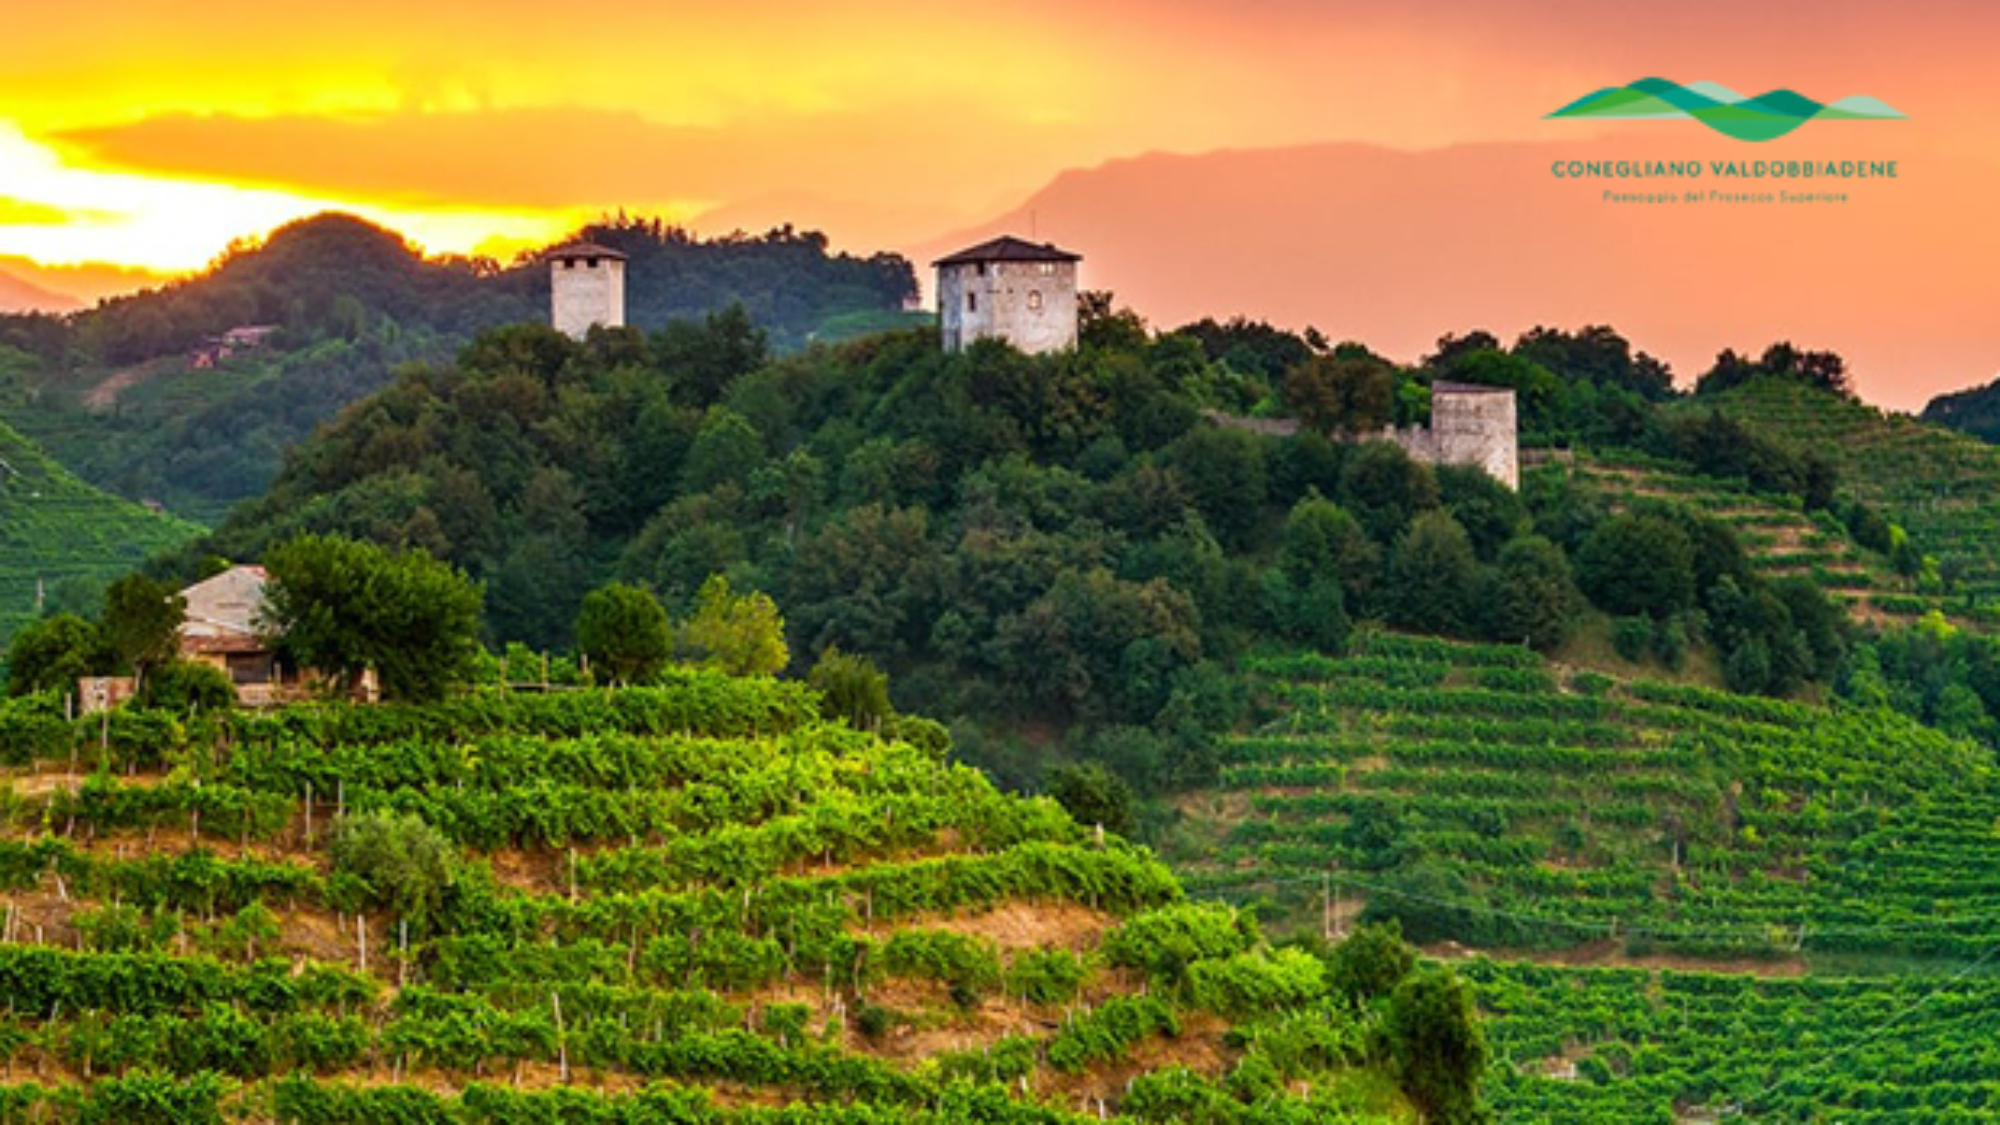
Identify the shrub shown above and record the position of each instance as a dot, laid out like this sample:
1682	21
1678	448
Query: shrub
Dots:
394	862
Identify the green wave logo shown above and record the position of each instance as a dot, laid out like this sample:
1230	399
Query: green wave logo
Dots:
1762	118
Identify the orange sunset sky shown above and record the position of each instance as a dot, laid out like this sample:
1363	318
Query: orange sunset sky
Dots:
150	133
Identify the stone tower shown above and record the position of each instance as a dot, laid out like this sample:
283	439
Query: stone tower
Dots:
1476	425
1008	289
586	287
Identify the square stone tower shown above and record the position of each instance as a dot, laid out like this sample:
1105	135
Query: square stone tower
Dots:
1476	425
1008	289
586	287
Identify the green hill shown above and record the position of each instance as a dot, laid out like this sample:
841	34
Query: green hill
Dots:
61	538
117	392
1943	487
688	903
1975	410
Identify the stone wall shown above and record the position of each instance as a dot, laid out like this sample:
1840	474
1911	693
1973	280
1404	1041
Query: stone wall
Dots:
586	291
1470	425
1031	305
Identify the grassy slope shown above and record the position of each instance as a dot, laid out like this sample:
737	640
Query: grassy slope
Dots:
1943	486
54	527
1496	802
720	892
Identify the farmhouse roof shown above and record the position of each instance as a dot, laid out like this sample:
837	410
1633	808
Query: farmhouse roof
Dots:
225	607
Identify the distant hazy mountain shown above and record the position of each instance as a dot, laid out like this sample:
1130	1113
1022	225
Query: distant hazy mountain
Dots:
18	295
1396	248
84	283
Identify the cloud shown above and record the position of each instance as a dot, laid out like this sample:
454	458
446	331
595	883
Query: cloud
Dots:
565	157
35	213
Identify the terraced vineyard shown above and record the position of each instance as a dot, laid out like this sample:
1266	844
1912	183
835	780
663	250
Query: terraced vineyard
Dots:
1624	833
54	527
691	903
1943	486
1633	1047
1487	798
1780	538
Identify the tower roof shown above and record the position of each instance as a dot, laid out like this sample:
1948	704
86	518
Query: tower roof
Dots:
1007	248
570	251
1451	388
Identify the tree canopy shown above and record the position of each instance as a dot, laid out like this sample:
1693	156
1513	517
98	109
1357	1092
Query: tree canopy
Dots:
341	607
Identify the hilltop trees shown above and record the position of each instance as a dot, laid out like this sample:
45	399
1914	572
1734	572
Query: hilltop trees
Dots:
1353	394
1826	371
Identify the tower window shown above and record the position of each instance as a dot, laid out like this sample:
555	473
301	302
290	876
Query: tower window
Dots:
972	302
592	264
1034	300
982	269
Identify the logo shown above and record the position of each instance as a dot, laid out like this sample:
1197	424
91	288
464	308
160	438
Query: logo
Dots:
1762	118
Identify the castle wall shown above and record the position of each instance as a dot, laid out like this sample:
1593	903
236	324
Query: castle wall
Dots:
1031	305
583	292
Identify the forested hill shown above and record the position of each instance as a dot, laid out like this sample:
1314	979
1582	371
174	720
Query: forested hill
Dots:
334	275
1976	410
133	395
1062	547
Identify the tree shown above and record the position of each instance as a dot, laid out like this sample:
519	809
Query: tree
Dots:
394	862
1434	1041
1490	512
52	654
742	634
342	607
142	623
1323	541
1638	564
623	630
726	451
1384	488
1371	962
704	358
852	688
1093	795
1100	324
1225	473
1342	394
1432	572
1536	599
187	685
